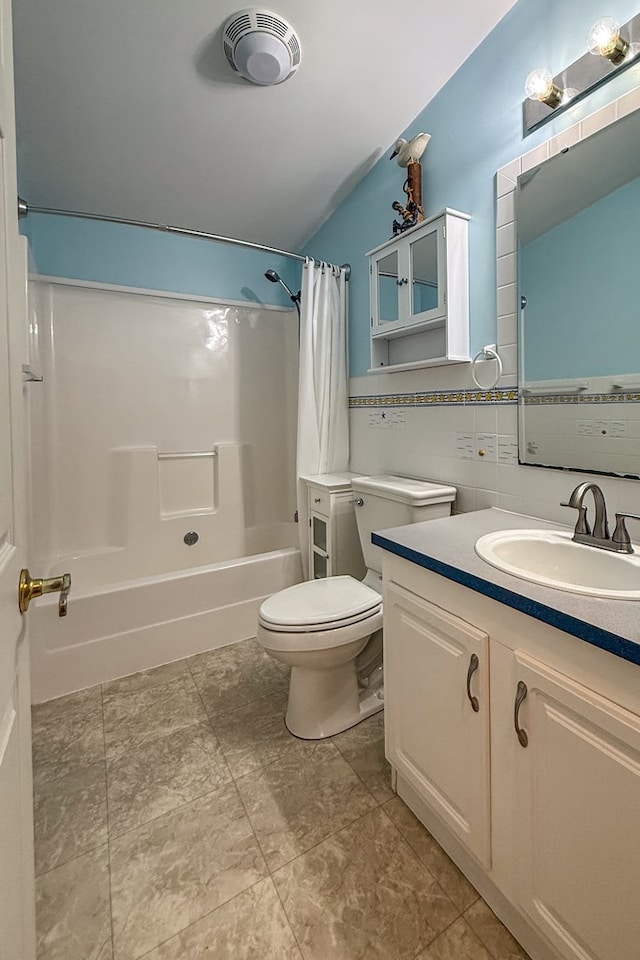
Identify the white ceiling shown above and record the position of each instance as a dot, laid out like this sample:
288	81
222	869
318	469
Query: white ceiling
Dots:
129	108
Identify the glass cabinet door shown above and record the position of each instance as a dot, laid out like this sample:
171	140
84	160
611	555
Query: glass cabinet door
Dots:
426	274
318	547
387	286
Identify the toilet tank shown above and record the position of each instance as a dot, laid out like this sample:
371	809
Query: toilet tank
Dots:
390	501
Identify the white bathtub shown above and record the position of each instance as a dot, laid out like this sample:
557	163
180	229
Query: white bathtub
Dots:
120	628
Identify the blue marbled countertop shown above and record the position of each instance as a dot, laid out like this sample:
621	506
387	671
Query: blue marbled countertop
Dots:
447	547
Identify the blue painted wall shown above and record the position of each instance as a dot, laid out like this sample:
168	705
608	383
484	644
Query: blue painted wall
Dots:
575	278
136	257
475	124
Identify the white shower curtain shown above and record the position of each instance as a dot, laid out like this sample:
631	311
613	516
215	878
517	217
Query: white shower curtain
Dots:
323	415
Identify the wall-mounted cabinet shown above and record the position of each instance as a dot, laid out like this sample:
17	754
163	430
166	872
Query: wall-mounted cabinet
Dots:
419	294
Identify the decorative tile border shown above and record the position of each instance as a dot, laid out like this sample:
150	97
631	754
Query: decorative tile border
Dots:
438	398
581	398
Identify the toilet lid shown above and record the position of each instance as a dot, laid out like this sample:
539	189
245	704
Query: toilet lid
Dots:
320	602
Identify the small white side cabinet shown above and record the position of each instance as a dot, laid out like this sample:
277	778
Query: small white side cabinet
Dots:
419	294
334	545
536	793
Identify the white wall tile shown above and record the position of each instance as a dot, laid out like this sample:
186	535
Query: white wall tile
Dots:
506	240
601	118
507	269
507	300
506	208
507	330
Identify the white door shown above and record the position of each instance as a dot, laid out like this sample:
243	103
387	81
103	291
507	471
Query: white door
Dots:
17	923
437	713
577	810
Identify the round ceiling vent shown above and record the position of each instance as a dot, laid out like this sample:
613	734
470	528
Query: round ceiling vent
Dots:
261	46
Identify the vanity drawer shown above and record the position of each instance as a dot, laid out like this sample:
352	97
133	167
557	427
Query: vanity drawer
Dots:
319	501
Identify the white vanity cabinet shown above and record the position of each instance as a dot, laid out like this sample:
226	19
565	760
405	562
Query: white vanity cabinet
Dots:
334	544
537	795
419	295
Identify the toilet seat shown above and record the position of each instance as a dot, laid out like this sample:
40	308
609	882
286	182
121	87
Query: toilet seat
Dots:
320	605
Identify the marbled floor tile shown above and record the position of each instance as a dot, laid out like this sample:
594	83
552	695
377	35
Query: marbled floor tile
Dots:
67	734
70	816
494	935
236	675
298	801
458	942
72	910
252	926
255	735
131	719
363	893
363	747
450	878
146	679
152	779
174	870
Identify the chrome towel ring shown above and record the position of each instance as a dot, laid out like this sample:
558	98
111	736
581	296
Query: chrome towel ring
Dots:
489	352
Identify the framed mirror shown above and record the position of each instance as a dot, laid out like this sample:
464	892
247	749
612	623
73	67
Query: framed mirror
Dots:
578	266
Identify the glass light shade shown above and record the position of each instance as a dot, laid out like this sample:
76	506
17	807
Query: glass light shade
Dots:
603	36
539	85
604	39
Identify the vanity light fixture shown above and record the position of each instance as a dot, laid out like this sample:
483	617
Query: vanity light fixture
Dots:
604	40
615	47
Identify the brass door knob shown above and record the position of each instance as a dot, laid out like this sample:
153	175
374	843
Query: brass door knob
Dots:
30	588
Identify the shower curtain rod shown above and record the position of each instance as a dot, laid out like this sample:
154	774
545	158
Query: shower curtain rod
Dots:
24	209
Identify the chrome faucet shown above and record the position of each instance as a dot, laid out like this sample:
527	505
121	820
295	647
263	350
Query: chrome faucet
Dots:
620	542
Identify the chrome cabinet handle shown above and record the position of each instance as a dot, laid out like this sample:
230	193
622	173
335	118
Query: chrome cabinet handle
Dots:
521	693
474	663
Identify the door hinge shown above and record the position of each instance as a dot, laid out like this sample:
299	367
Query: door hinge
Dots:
296	518
444	233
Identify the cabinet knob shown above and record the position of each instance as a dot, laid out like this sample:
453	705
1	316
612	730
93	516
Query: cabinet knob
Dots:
316	499
521	693
359	502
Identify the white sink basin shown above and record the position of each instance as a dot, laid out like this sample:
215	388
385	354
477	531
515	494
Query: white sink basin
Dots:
550	557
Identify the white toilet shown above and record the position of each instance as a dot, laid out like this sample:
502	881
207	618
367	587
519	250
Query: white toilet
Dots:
330	631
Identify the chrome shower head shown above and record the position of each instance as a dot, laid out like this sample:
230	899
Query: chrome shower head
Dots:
275	277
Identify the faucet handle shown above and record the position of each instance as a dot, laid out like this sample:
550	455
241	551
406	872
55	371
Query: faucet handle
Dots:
621	535
582	524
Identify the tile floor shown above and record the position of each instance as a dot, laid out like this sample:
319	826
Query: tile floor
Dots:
177	819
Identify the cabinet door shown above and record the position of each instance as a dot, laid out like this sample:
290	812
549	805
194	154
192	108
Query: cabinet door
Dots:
436	671
427	275
319	547
577	794
389	278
